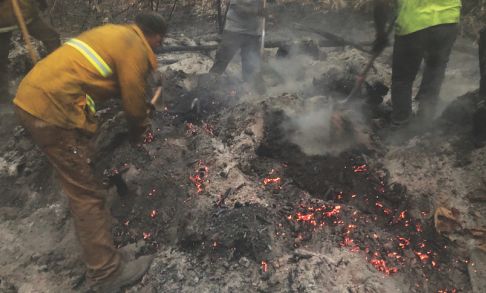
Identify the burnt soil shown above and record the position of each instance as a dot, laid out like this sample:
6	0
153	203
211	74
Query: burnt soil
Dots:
226	202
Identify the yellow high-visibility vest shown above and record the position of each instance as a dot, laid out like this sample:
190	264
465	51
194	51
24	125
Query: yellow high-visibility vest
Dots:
415	15
95	60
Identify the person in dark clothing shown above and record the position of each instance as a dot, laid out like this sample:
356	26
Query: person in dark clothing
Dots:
243	31
425	30
37	27
482	61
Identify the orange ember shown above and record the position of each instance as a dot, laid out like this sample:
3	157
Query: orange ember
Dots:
146	235
200	177
264	266
153	214
267	181
381	266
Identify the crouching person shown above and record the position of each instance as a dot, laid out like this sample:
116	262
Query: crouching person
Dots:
55	103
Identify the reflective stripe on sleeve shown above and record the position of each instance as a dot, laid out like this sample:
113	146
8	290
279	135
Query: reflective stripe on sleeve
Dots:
92	56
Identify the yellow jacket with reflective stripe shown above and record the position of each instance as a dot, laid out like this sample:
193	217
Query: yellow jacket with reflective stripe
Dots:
7	16
415	15
55	89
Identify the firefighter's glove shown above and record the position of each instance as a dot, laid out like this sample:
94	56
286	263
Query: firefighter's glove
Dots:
380	43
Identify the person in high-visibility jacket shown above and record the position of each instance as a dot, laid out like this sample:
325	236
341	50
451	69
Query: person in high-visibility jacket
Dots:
36	26
425	30
55	102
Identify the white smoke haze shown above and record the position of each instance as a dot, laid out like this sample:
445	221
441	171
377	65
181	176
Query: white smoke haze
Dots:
295	74
313	129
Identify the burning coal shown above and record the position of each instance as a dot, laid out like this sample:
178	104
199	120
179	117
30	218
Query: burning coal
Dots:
200	178
387	236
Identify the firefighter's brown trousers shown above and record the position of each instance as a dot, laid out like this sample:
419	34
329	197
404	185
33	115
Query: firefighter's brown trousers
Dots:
69	151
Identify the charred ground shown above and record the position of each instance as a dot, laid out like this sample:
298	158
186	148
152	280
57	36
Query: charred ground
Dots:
228	200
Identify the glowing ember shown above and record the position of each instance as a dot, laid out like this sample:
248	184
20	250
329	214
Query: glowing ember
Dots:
333	212
152	192
200	177
146	235
149	137
307	218
381	266
422	256
191	129
360	168
264	266
403	242
386	251
153	214
395	255
208	128
349	242
418	227
267	181
403	214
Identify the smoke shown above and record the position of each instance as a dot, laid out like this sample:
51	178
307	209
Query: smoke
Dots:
462	76
294	74
319	128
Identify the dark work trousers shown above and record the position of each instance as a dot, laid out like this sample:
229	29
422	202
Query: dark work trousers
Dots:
38	29
250	53
433	45
482	61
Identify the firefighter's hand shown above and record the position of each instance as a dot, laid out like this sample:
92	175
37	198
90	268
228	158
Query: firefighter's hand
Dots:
380	43
42	4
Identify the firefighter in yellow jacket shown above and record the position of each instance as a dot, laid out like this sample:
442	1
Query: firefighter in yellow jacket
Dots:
55	103
36	26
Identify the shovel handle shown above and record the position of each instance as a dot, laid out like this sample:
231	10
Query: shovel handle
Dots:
25	33
156	96
262	41
362	76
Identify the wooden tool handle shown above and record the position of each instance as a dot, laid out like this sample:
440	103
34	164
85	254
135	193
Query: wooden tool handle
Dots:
25	33
156	96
